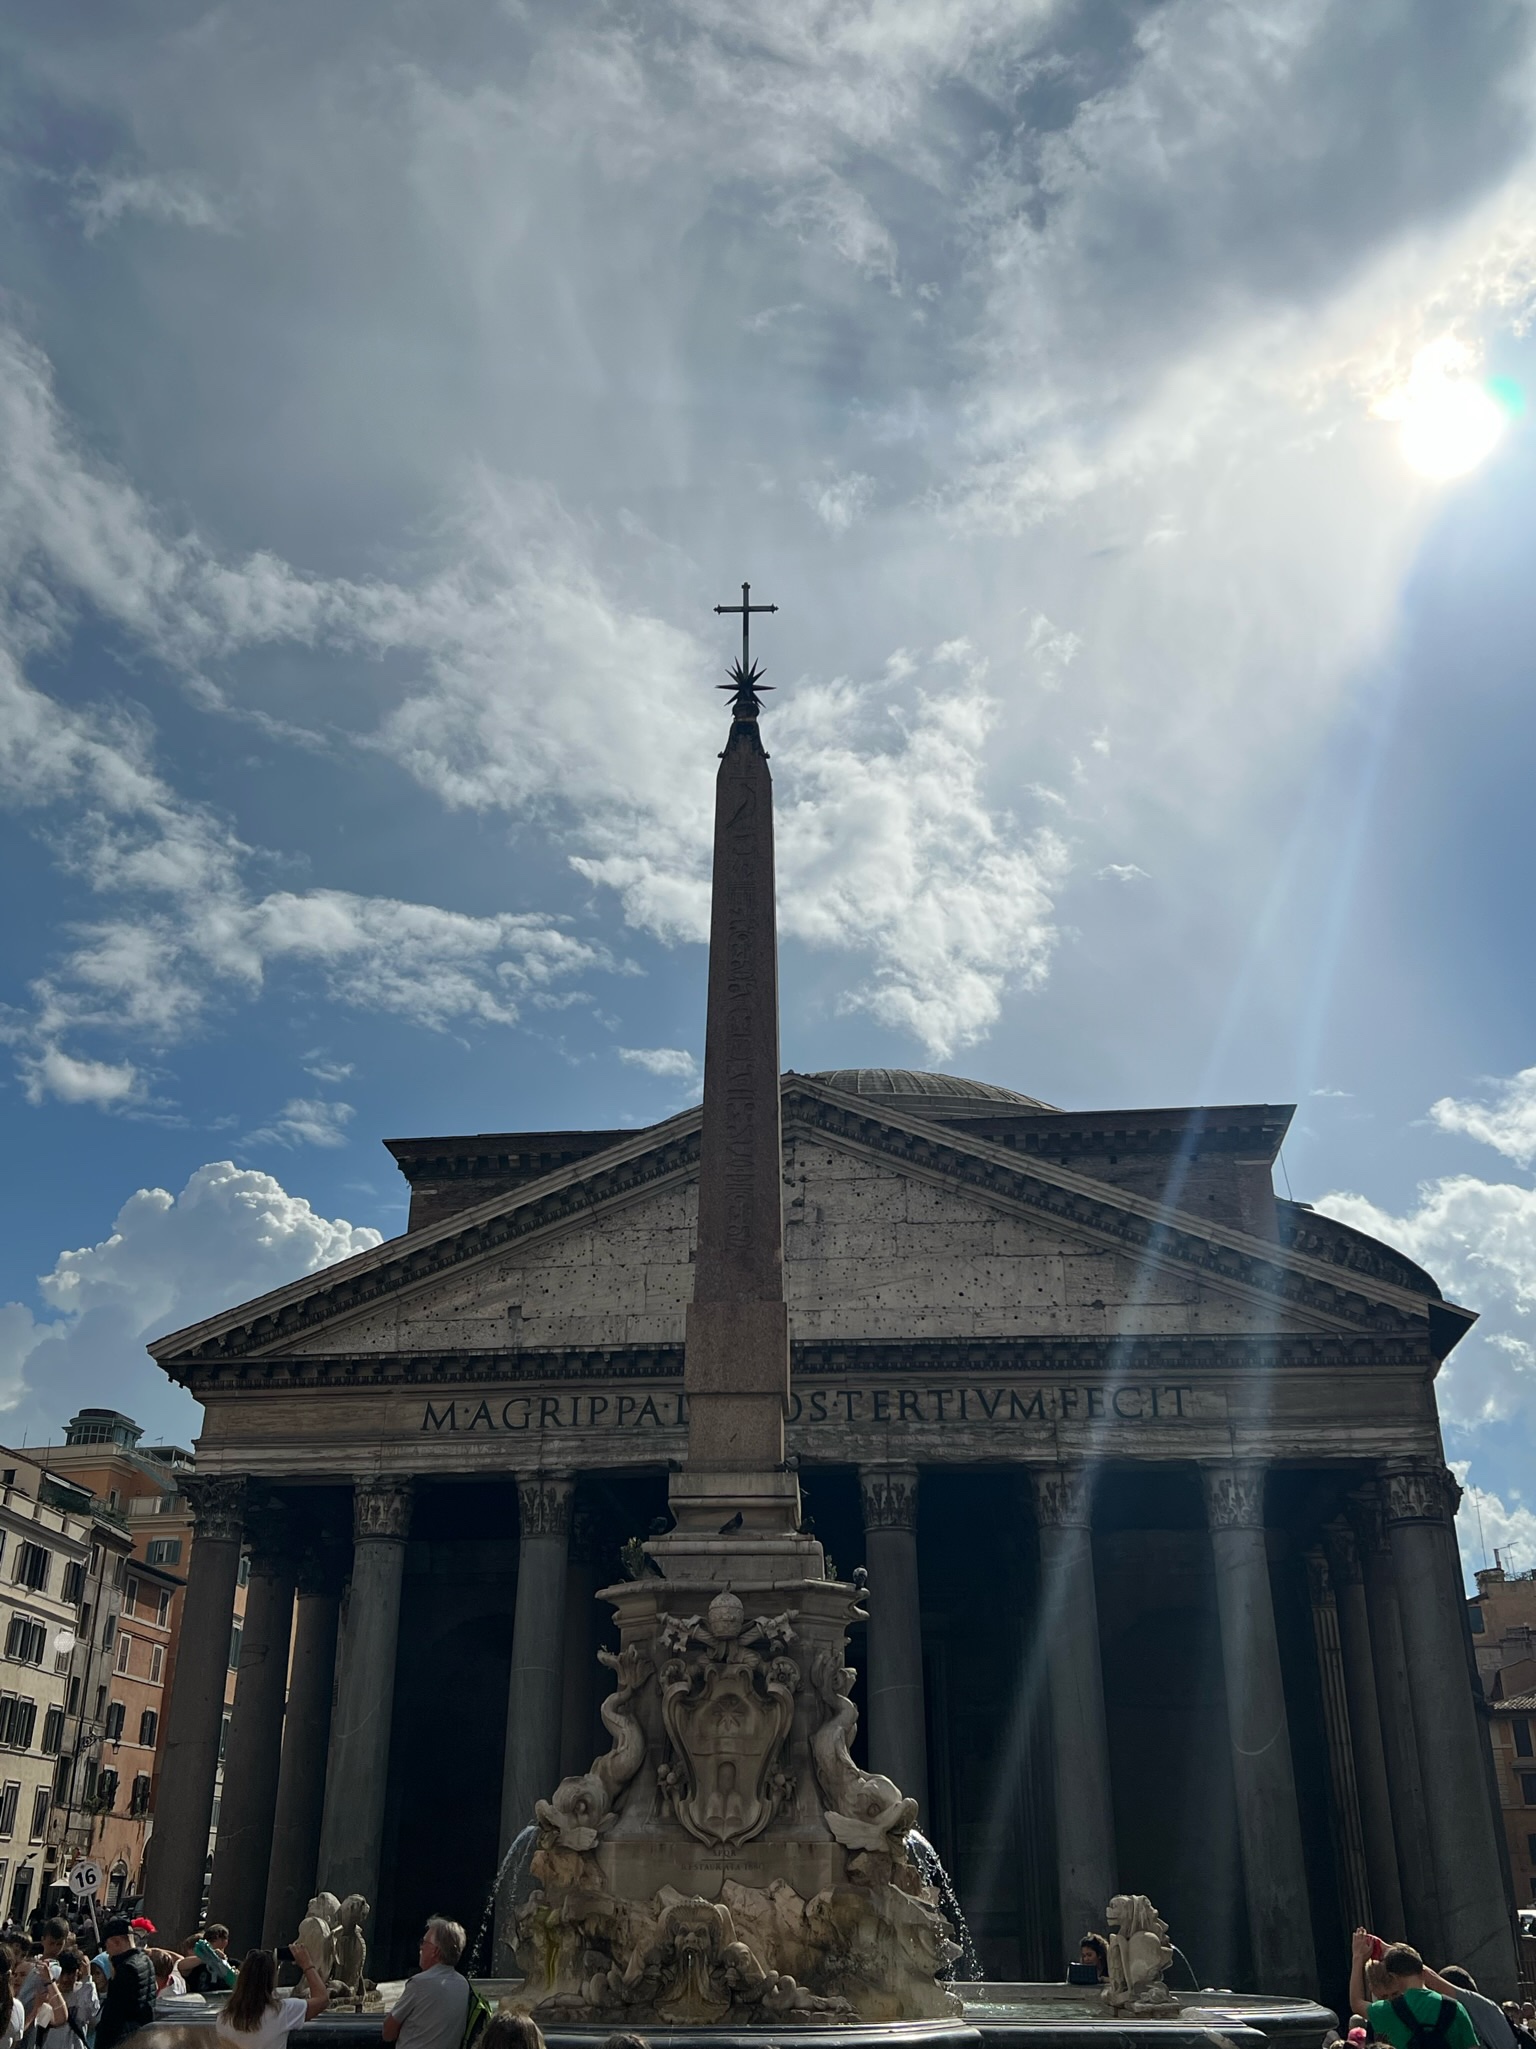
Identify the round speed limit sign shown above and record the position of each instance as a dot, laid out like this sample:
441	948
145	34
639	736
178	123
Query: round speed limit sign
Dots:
84	1878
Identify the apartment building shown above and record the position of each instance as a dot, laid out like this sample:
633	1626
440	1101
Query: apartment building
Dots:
73	1823
141	1487
45	1553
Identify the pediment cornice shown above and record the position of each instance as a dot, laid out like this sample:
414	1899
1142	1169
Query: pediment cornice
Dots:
1231	1260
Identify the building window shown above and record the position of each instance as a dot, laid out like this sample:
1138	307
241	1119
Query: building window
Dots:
163	1551
149	1726
53	1730
74	1697
1528	1788
1475	1616
244	1578
95	1560
32	1563
1522	1729
131	1598
118	1571
74	1581
10	1794
156	1662
108	1632
234	1647
26	1640
42	1800
124	1651
106	1792
63	1772
18	1718
163	1610
101	1702
116	1715
85	1622
138	1803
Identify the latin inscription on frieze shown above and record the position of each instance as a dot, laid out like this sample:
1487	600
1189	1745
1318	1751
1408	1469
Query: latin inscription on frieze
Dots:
827	1410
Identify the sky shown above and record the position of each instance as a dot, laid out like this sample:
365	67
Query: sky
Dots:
1128	407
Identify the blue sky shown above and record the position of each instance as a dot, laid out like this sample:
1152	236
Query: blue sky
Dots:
1125	403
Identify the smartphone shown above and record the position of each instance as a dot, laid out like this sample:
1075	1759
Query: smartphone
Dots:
285	1955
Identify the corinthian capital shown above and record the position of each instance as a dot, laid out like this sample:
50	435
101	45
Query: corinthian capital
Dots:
381	1508
889	1494
544	1504
1419	1491
1063	1497
217	1502
1234	1497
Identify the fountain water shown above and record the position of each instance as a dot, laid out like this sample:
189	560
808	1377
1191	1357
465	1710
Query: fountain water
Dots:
967	1965
519	1856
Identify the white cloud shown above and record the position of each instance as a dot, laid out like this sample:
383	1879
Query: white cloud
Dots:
195	933
168	1261
53	1072
839	501
1486	1524
1121	871
305	1120
103	198
673	1062
1508	1123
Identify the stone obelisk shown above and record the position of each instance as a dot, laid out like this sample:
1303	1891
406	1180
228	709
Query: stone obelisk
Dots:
735	1500
726	1859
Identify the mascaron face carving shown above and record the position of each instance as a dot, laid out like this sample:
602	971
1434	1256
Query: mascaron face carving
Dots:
727	1700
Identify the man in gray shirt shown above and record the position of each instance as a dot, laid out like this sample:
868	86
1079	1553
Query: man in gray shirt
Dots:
430	2013
1489	2019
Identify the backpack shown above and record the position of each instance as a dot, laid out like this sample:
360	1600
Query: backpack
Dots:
476	2014
1426	2034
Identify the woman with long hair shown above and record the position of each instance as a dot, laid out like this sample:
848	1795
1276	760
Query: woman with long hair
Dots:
253	2017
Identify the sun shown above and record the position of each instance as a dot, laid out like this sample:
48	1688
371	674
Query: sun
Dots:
1449	419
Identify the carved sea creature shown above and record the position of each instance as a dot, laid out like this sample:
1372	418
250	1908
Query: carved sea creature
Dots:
1139	1953
317	1932
584	1806
349	1948
865	1811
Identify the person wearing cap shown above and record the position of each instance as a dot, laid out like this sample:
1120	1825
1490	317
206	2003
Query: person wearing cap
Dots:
130	2001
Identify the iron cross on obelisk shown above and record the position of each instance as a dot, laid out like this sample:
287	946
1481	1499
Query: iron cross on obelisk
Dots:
745	674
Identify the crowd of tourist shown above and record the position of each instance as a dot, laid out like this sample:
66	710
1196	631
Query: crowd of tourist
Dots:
1397	1999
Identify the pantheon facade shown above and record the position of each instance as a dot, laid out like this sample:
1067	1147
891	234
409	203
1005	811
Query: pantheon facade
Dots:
1143	1463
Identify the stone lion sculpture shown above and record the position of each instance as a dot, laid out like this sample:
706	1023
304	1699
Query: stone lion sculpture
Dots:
1139	1953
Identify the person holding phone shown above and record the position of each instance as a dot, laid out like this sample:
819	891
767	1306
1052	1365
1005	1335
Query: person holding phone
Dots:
253	2016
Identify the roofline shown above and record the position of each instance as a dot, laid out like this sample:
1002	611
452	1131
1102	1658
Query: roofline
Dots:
175	1344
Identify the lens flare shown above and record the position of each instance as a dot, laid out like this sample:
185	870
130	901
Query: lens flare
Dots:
1450	420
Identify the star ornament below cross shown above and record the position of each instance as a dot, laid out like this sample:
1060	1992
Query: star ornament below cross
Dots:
746	683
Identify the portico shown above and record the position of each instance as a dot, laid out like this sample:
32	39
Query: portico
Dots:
1090	1403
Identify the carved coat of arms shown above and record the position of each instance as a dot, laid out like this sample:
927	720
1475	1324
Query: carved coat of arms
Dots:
727	1701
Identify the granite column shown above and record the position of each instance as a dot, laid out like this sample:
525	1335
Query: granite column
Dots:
532	1757
357	1771
300	1806
1268	1820
898	1735
1085	1814
1422	1923
1381	1864
579	1740
242	1853
178	1853
1420	1497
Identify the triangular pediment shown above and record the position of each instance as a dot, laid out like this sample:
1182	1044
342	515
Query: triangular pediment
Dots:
897	1229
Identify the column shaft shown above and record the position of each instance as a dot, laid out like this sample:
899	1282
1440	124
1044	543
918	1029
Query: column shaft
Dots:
243	1849
352	1831
178	1854
1381	1863
893	1678
1268	1820
291	1875
578	1686
1467	1853
532	1764
1421	1924
1085	1816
